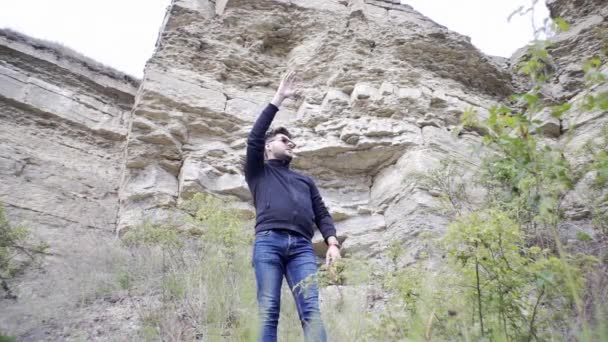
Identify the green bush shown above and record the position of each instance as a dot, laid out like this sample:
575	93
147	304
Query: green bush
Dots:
523	281
512	288
4	338
16	251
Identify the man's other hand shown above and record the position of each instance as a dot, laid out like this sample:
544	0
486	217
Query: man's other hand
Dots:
333	254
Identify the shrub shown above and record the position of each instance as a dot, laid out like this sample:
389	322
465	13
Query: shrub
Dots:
16	251
512	288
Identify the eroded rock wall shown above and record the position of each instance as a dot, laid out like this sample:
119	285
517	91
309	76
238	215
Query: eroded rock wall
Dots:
63	132
382	87
63	125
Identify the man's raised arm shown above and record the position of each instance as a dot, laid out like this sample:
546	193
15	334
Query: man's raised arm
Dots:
254	162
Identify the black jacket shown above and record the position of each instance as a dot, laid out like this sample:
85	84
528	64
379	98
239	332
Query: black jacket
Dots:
284	199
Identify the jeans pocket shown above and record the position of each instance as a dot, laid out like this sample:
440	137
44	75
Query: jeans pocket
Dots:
260	238
262	233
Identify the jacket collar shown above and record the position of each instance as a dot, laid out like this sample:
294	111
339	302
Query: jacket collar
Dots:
279	162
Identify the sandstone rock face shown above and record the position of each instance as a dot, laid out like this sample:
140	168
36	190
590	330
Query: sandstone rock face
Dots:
382	86
63	133
63	127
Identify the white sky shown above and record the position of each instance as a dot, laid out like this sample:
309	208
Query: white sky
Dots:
122	33
118	33
485	21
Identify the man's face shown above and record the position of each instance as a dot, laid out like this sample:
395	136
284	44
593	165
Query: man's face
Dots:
280	147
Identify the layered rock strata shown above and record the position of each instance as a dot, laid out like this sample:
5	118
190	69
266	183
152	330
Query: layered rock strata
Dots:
382	87
63	126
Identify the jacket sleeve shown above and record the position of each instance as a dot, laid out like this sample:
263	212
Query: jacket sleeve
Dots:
254	161
323	219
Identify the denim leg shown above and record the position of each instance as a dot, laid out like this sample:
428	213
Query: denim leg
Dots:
300	271
269	270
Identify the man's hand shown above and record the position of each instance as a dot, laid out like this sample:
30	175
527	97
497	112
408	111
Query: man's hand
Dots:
286	89
333	252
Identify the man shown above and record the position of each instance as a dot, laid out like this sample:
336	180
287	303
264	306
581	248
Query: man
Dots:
287	203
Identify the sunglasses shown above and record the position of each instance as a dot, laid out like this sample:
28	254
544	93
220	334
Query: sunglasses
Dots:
285	141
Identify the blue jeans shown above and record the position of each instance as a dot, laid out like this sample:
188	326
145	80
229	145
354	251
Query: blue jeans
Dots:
278	254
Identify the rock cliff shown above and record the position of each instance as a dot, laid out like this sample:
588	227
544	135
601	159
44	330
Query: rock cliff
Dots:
63	125
382	87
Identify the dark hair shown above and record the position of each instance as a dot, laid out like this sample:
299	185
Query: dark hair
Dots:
273	132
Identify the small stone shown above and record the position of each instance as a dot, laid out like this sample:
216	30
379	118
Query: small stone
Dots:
352	140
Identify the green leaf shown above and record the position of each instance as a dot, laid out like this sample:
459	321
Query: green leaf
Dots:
592	63
582	236
602	101
559	110
560	25
589	102
531	99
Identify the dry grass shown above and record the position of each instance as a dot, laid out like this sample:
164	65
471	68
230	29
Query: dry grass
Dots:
195	281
